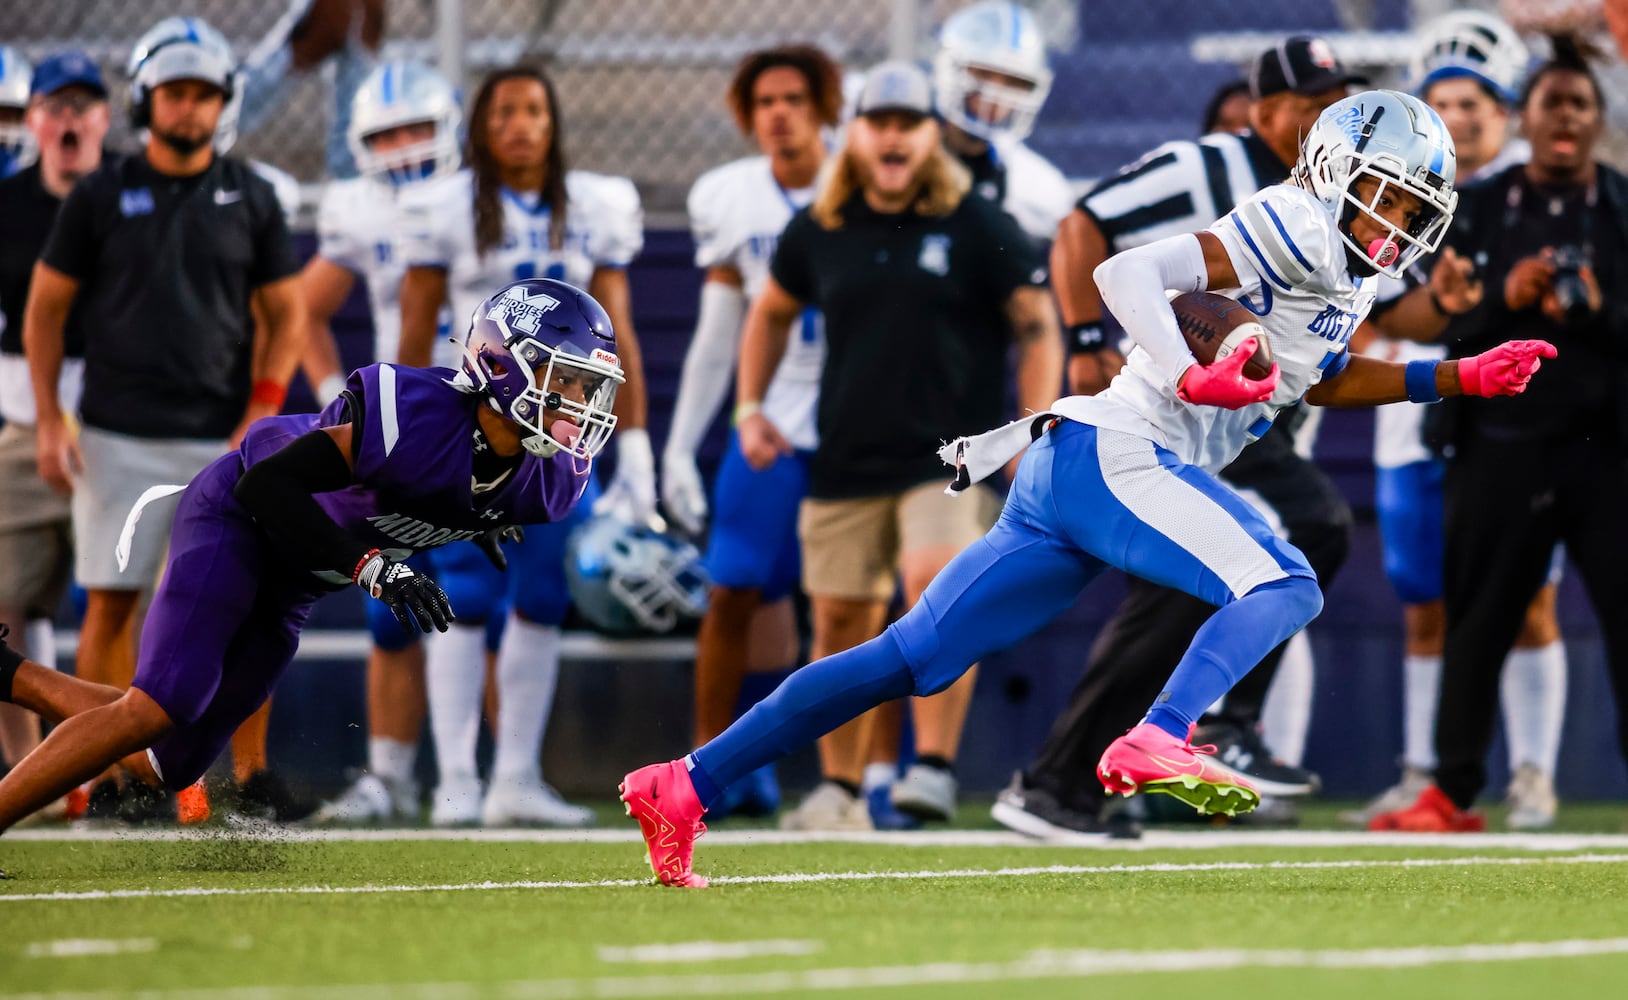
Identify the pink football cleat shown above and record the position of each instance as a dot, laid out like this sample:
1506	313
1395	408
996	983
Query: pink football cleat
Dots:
662	798
1148	759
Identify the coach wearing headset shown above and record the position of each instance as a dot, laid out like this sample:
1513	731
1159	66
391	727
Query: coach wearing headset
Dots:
160	253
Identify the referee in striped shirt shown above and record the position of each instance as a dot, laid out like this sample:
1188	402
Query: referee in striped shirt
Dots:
1182	187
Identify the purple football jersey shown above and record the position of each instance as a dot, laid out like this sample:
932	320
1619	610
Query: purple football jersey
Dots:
414	485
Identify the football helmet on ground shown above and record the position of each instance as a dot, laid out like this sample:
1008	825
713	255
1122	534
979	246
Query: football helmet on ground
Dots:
630	580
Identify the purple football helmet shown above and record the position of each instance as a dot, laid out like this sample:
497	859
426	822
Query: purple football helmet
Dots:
541	346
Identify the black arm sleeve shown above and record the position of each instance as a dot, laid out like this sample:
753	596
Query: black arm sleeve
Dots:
279	491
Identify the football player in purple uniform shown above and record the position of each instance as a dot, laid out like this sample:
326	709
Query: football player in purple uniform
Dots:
406	459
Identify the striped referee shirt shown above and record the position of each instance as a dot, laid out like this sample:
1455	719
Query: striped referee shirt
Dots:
1181	187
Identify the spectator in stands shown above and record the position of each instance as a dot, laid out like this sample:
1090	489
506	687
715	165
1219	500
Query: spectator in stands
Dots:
67	121
1228	110
161	253
923	290
1469	68
782	98
1176	188
1549	239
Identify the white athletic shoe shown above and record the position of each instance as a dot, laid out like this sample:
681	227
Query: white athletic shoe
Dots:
829	807
367	800
1532	802
457	801
527	801
927	793
1393	799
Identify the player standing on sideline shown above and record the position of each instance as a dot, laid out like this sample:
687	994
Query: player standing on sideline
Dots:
1469	67
1122	478
1174	189
17	145
515	212
404	460
782	98
67	121
146	295
403	131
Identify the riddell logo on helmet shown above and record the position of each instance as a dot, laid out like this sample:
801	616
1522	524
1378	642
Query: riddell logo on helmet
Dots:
600	354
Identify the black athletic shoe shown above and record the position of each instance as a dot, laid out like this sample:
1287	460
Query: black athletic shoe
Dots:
1241	749
103	801
1035	812
140	803
266	797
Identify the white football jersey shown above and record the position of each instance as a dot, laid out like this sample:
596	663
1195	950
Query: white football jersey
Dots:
737	213
357	225
1399	427
287	188
1038	196
604	228
1291	268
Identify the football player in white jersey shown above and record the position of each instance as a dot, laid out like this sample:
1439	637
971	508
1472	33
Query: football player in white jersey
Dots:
782	98
990	80
1469	67
403	130
515	212
1125	478
17	145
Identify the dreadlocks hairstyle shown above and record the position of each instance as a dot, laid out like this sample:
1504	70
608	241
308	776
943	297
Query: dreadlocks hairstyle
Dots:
1568	53
488	200
823	74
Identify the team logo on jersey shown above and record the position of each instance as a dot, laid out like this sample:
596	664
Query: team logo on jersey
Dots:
412	532
934	257
521	310
136	201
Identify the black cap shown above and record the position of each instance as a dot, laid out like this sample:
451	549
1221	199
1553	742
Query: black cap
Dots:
1303	64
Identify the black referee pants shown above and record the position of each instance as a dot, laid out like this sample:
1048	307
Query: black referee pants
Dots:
1508	504
1138	648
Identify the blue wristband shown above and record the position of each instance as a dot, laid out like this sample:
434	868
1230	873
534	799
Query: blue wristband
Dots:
1421	381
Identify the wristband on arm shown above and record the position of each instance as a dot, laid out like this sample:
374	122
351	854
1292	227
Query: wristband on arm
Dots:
268	392
1087	338
1420	379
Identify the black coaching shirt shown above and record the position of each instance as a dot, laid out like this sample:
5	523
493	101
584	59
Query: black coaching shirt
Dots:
166	266
916	335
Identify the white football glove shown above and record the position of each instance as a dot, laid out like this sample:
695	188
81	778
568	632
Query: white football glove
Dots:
631	495
682	492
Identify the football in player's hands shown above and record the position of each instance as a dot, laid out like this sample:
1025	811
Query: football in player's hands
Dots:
1215	326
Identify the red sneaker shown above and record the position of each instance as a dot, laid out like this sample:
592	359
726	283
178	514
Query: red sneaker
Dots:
1431	812
192	804
1148	759
662	798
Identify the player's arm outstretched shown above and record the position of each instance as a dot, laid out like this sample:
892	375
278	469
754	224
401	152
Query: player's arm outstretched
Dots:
1503	371
279	491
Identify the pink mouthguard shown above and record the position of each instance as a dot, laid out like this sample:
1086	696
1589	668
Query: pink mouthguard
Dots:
1383	251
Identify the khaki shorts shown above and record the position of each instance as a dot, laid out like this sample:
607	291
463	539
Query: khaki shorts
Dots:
36	542
118	469
852	548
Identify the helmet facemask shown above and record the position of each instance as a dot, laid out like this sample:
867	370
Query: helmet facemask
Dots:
1007	109
425	160
1437	201
552	379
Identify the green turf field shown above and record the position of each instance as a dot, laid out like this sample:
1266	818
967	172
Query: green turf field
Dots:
965	913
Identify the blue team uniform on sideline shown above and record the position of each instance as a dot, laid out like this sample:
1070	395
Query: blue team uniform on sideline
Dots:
754	544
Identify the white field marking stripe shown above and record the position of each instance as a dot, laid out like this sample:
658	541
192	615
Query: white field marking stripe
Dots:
1037	965
82	947
1150	840
792	878
707	951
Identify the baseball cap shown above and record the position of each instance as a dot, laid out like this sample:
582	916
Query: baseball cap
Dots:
1302	64
895	86
67	68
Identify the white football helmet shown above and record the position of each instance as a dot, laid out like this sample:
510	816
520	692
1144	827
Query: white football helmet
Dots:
1002	37
404	93
1399	141
185	48
1470	43
630	580
17	145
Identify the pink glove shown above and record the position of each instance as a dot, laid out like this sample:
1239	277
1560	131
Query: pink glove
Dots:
1504	370
1224	383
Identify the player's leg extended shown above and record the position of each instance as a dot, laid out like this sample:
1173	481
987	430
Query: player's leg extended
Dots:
1178	526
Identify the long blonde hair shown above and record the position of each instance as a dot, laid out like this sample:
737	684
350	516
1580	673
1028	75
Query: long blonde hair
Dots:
941	184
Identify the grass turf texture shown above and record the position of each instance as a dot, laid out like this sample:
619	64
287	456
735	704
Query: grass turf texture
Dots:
550	938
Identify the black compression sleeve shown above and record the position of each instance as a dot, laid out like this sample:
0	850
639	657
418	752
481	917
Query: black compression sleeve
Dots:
280	492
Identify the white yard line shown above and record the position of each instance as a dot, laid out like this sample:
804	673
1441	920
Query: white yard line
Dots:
1036	966
88	947
1151	840
794	878
704	951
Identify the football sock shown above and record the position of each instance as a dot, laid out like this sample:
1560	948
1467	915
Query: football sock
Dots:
878	776
852	789
1533	690
528	669
812	702
1286	716
933	760
1229	645
390	759
455	678
42	642
1421	686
